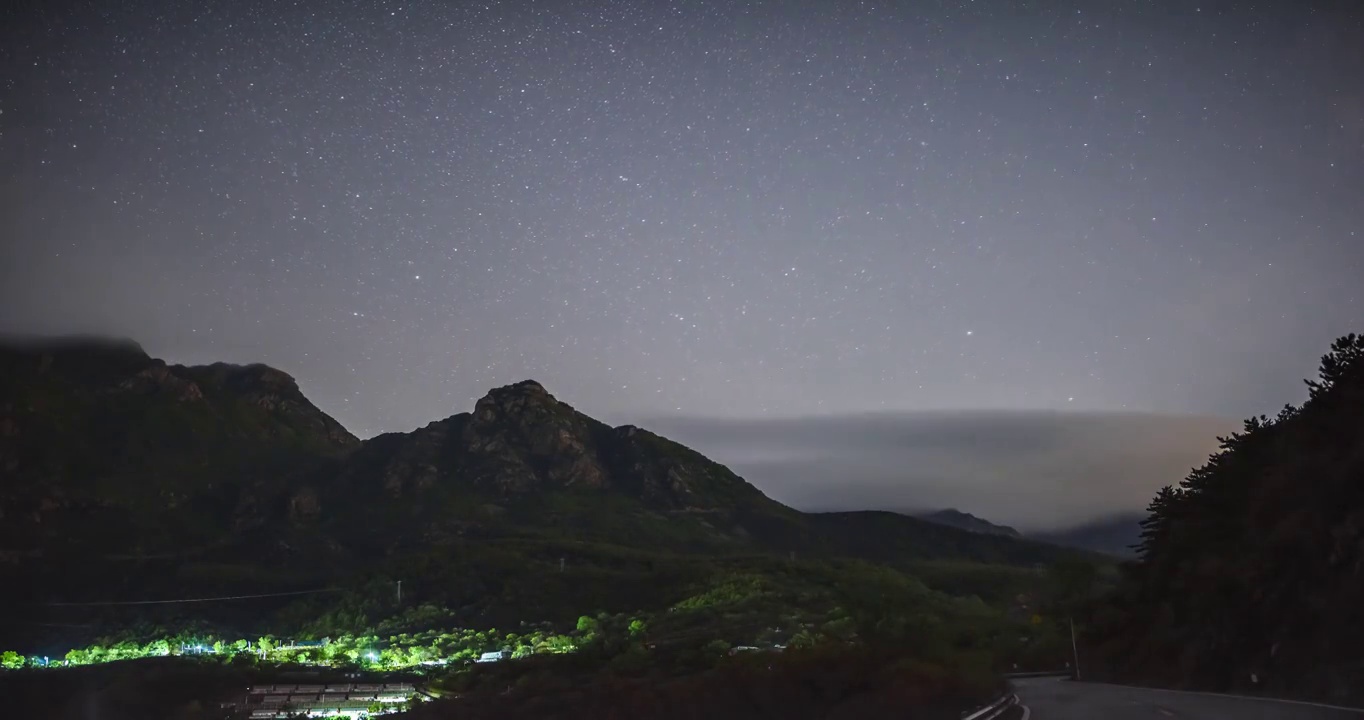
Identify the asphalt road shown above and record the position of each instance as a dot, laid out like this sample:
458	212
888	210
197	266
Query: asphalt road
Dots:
1058	699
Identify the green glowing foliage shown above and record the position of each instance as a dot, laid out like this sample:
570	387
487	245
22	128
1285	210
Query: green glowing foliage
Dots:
11	660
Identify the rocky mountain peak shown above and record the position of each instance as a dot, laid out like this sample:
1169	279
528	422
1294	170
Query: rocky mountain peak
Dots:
525	437
510	401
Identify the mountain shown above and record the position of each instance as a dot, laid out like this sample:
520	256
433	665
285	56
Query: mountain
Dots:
103	446
524	463
1250	574
1115	535
966	521
126	478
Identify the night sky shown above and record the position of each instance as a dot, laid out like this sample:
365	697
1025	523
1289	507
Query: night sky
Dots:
734	209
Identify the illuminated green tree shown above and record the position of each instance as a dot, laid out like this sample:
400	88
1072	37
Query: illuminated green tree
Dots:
11	660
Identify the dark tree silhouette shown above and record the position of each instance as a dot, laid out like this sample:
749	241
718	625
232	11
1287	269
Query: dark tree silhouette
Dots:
1250	573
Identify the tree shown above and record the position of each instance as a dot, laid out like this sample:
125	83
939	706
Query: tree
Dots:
1251	564
587	628
11	660
1071	582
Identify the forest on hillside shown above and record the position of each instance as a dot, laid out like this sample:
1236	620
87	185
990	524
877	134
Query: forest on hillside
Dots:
1250	572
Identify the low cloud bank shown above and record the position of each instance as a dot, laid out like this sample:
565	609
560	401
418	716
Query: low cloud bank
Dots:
1031	470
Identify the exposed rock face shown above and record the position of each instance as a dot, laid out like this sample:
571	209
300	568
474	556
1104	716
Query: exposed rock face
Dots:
523	437
304	505
159	379
520	441
414	467
275	392
665	473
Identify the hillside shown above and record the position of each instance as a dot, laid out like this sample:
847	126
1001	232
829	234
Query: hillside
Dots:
128	479
104	447
1254	564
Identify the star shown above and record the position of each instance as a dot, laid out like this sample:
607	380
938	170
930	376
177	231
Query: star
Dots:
796	222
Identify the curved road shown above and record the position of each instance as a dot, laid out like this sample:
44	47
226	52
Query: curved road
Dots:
1060	699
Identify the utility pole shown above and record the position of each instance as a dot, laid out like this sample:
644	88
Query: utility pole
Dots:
1074	651
400	592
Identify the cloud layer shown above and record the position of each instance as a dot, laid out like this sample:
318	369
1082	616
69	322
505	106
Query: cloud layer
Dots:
1032	470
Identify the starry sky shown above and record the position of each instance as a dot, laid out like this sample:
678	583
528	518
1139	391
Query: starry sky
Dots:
731	209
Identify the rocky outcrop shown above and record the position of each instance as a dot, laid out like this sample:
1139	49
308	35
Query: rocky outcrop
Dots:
523	438
159	379
277	393
520	443
304	505
669	475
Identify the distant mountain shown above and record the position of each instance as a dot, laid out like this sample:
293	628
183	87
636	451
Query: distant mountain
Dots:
966	521
1115	535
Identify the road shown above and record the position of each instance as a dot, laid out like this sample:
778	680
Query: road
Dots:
1058	699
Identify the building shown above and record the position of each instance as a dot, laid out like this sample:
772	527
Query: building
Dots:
330	700
494	656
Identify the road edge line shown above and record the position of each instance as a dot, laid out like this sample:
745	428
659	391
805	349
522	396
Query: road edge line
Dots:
998	706
1205	693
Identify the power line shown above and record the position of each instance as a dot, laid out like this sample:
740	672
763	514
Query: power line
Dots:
190	600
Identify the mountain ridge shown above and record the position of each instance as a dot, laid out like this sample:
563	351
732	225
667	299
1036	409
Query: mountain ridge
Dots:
123	477
1116	534
220	423
966	521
